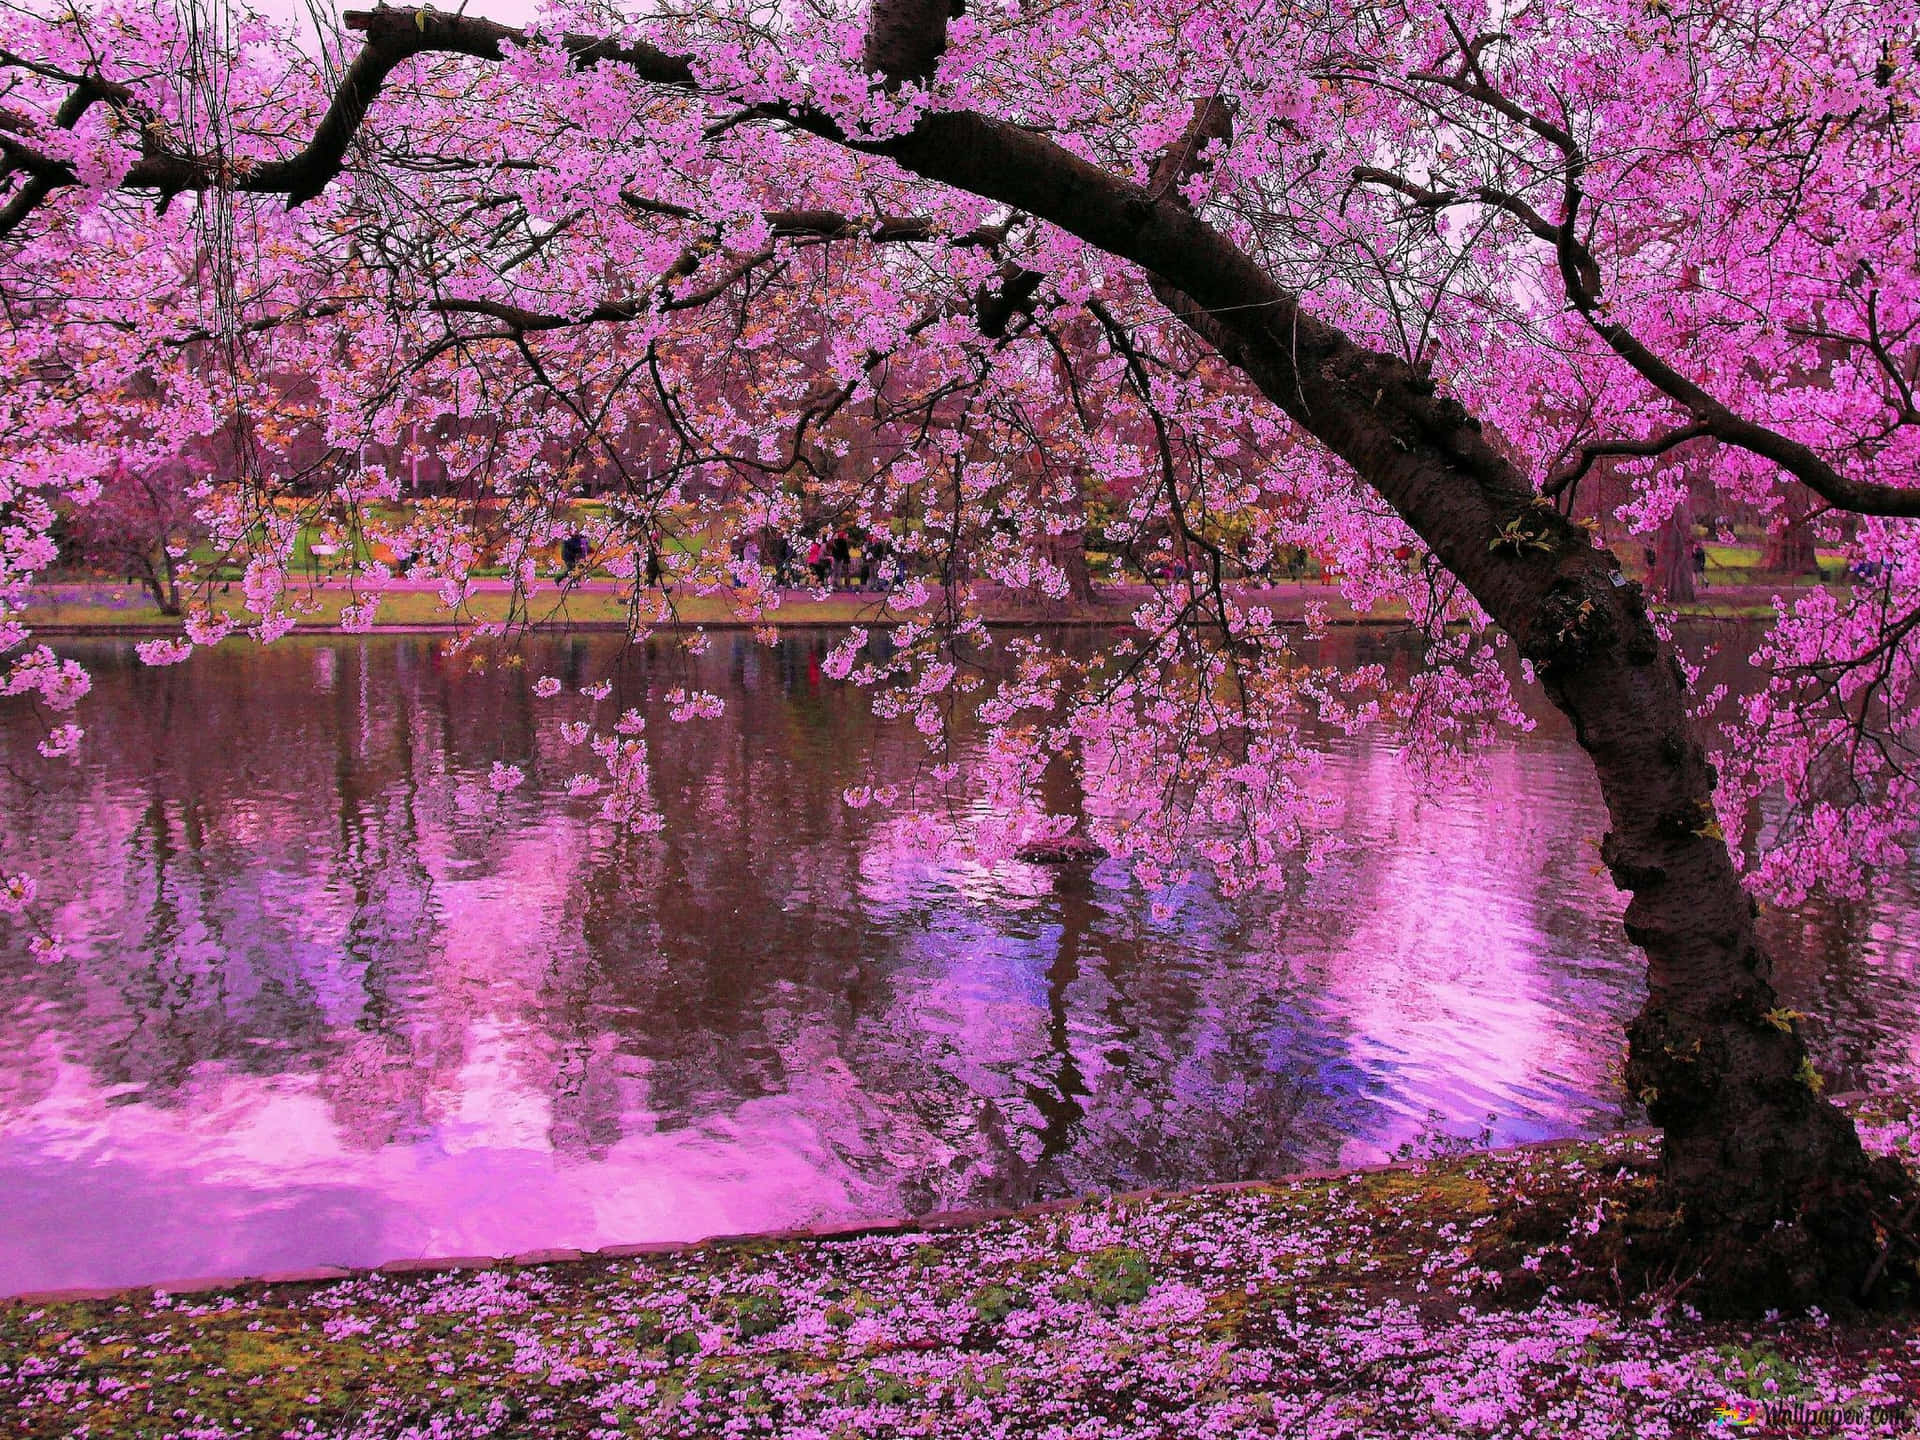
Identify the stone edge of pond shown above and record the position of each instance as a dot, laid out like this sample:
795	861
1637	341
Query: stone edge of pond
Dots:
933	1223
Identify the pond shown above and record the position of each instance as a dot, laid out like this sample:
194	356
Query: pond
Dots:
320	1008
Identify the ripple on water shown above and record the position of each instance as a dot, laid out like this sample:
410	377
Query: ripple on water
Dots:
321	1007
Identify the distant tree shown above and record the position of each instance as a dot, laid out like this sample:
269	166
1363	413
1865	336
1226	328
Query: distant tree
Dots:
1790	539
142	524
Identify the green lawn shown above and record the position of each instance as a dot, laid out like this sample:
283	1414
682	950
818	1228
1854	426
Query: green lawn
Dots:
125	608
1739	564
314	531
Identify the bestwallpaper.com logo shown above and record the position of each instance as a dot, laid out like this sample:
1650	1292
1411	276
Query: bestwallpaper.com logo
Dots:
1760	1417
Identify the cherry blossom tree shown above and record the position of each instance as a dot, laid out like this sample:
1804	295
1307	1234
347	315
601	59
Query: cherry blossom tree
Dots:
1374	280
141	525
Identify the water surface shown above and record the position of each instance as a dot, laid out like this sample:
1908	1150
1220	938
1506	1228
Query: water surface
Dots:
320	1008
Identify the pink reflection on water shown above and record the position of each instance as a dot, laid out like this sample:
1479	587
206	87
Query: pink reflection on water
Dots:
321	1010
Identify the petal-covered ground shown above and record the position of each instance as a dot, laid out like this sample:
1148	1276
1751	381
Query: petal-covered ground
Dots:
1422	1301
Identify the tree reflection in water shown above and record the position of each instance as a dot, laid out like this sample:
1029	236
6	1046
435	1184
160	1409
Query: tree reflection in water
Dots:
321	1006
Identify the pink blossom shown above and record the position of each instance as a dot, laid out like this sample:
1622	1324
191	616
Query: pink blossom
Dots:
17	893
62	740
164	652
273	626
699	704
206	628
357	618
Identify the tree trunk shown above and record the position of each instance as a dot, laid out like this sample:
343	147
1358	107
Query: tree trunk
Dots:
1791	552
1673	555
1790	548
158	581
1067	551
169	588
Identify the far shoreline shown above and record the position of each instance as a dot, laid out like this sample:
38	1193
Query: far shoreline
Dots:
105	610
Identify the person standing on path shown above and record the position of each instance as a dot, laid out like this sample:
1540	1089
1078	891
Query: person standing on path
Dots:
842	559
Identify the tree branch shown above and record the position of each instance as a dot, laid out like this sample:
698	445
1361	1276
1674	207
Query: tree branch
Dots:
1655	445
906	38
1580	274
393	36
1212	122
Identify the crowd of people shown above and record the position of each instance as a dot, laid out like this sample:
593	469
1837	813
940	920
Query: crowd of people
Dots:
842	558
854	559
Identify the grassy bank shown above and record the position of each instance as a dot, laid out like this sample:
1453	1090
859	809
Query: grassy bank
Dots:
1414	1301
90	608
99	608
73	609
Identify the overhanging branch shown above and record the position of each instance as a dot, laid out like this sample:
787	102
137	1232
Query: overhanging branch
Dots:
1581	276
